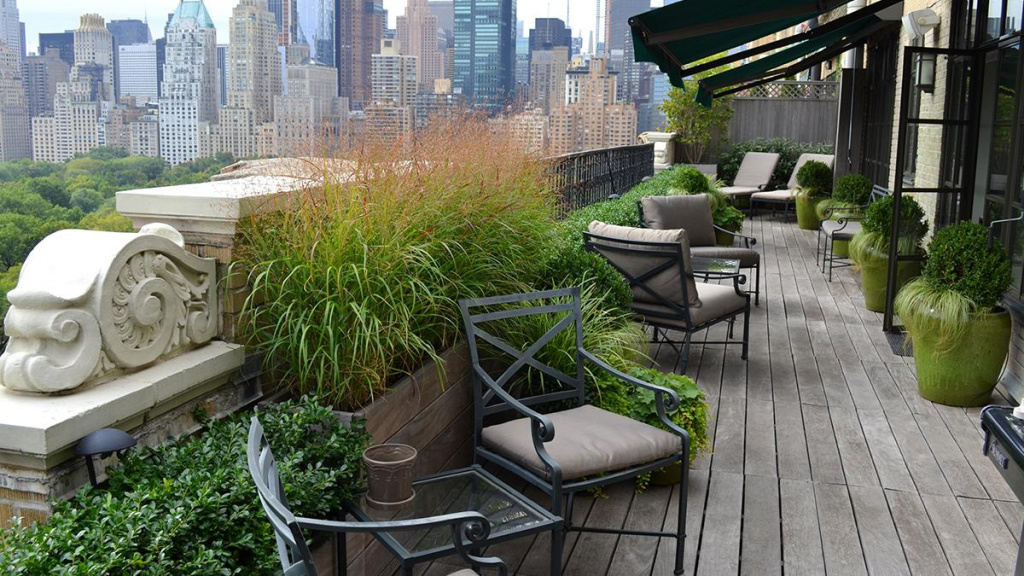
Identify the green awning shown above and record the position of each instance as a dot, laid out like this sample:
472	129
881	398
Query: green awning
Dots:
689	30
796	58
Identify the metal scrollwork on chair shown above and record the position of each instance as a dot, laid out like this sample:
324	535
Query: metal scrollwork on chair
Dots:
90	305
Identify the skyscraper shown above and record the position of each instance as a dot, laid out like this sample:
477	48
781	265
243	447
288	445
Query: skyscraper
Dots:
360	28
42	73
485	51
310	119
136	72
126	33
95	45
10	27
63	42
417	35
254	65
189	93
317	29
286	17
394	75
548	33
547	77
15	135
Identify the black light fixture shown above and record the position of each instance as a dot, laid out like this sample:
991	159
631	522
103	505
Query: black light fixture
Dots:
925	72
103	442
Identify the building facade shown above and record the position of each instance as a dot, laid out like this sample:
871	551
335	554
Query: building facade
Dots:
592	117
189	90
254	65
417	32
10	27
15	125
484	54
310	119
547	77
136	72
63	42
42	74
360	28
94	44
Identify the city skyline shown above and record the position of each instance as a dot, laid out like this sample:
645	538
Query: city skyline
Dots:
57	16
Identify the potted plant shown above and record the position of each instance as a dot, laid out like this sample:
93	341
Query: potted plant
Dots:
689	180
869	248
815	182
851	194
728	218
961	335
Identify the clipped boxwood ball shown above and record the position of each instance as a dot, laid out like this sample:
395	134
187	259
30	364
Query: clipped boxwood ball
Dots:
816	176
853	189
878	218
959	259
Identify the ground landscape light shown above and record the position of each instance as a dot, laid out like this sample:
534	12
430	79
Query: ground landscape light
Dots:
104	442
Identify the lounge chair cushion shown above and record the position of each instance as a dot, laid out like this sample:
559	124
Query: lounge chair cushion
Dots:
776	195
828	159
464	572
667	283
839	231
738	190
588	441
748	257
756	169
717	300
691	213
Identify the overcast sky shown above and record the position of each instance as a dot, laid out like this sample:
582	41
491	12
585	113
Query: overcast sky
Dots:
59	15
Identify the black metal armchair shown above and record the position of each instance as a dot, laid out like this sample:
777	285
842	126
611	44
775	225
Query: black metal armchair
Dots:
573	449
468	528
840	224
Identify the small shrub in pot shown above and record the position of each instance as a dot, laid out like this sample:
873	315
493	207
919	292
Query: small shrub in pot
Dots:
815	181
869	248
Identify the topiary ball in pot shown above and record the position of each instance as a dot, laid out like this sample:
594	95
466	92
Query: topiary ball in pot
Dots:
961	335
851	193
869	248
815	181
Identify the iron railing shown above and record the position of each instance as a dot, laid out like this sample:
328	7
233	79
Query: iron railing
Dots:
793	90
585	178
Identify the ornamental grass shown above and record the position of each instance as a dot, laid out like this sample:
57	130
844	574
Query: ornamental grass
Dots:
356	283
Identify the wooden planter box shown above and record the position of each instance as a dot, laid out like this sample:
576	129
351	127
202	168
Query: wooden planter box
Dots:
432	411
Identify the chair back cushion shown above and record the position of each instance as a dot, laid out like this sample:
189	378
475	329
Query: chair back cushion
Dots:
756	169
691	213
668	284
827	159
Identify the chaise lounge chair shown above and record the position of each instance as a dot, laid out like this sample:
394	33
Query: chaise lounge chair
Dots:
755	172
788	196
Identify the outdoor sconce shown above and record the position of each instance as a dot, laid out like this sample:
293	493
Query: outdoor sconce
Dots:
104	442
925	73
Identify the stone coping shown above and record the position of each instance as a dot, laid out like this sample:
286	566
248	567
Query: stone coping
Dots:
42	425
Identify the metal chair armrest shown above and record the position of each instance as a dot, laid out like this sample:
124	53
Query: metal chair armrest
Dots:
748	240
665	400
471	526
546	427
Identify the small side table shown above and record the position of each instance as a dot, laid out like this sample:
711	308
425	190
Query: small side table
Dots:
709	268
511	515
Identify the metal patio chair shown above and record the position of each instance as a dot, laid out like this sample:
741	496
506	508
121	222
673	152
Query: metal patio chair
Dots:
656	264
693	214
467	528
578	447
843	228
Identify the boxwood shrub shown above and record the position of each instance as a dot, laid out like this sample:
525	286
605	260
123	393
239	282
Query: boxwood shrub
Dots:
190	507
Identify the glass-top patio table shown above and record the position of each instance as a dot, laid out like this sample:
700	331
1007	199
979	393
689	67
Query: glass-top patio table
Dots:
709	268
510	514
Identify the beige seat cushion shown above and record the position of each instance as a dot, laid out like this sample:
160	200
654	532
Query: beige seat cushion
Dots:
776	195
756	169
748	257
464	572
667	283
691	213
738	190
588	441
717	300
840	231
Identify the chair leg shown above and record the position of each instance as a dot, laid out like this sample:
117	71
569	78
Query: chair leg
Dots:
817	247
681	520
757	284
746	329
684	357
832	260
557	539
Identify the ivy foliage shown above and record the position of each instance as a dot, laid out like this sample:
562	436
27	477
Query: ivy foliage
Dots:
190	507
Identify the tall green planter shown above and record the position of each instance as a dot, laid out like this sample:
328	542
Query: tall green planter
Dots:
873	276
964	373
724	238
807	212
841	248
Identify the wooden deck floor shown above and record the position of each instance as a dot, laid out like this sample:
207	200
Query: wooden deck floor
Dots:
825	460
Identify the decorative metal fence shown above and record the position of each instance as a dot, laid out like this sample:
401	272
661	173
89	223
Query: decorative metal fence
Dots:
585	178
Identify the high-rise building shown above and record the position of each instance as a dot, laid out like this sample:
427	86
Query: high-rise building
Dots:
189	91
95	45
63	42
42	74
360	30
417	35
394	75
286	18
592	117
522	66
222	74
485	51
547	77
310	119
136	72
317	29
548	33
254	65
10	27
15	134
126	33
445	12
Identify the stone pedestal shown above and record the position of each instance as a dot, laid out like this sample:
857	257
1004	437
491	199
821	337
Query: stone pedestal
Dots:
38	433
664	148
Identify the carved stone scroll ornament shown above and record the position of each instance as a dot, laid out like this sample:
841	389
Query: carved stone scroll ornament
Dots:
90	305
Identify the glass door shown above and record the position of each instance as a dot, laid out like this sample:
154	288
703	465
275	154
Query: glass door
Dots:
934	157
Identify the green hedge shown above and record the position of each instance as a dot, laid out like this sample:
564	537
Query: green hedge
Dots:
190	507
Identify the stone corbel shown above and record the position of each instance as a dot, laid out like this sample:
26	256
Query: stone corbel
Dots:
90	305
